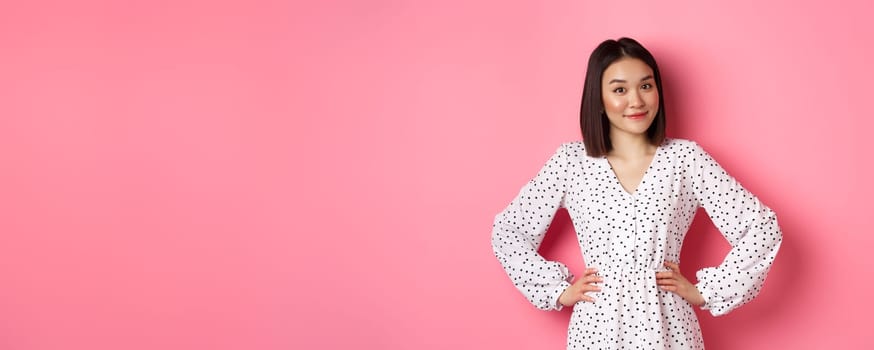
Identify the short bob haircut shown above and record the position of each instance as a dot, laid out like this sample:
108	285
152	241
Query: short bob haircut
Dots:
593	121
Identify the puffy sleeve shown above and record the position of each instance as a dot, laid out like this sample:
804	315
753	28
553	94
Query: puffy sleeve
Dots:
519	229
749	226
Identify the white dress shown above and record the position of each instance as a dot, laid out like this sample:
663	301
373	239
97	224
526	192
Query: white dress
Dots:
628	237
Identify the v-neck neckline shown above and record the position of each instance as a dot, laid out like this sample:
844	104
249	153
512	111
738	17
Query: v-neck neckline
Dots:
642	179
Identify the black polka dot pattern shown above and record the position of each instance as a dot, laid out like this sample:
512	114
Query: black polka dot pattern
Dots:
628	236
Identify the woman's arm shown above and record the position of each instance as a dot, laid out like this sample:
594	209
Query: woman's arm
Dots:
749	226
519	229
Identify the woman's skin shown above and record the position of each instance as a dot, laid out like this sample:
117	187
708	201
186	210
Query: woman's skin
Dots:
631	101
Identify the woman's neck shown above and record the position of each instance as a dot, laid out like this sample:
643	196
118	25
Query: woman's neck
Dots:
630	146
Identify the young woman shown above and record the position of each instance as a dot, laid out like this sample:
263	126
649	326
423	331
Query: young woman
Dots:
632	194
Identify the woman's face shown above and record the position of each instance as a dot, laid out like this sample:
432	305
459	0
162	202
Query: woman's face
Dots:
630	96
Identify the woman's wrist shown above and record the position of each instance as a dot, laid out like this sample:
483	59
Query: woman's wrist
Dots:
705	296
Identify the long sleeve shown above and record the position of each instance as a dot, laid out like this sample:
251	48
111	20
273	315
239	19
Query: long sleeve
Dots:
748	225
519	229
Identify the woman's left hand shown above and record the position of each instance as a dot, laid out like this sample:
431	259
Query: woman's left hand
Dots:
673	281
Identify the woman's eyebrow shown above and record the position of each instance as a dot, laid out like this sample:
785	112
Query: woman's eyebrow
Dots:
612	81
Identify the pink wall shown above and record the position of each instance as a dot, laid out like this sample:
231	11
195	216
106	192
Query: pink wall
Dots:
214	175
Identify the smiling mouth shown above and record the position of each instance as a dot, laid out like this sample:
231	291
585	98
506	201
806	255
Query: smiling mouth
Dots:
637	116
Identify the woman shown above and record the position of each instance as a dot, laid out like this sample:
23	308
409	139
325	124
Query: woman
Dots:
632	194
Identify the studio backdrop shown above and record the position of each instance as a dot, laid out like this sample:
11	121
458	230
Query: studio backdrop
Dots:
325	174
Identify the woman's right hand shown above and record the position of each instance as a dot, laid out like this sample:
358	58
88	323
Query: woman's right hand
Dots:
577	291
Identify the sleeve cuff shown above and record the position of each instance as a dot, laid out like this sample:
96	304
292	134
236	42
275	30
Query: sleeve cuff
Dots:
557	293
706	293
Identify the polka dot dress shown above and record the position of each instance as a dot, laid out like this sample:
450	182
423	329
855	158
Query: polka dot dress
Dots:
628	236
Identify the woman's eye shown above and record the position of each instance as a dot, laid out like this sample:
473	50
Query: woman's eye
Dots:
619	90
647	86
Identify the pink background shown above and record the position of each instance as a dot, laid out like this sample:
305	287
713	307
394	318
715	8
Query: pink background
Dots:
265	175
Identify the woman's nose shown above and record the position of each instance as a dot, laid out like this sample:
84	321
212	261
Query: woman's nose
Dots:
634	99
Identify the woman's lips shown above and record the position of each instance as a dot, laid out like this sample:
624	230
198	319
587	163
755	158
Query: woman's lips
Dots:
637	116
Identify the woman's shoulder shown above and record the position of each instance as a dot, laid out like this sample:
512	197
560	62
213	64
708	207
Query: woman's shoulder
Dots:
573	145
679	142
573	149
687	151
681	145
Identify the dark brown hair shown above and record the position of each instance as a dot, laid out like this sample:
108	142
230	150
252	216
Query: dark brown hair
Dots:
593	121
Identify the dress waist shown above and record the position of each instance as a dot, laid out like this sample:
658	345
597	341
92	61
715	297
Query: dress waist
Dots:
628	269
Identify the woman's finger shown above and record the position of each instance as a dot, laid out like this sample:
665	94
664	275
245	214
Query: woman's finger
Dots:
593	278
591	288
586	297
667	282
585	281
664	274
673	266
669	288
